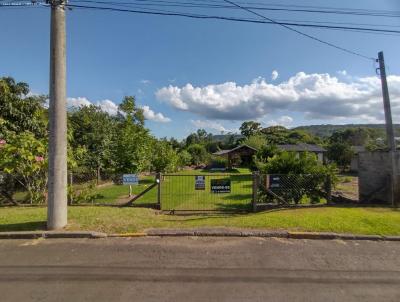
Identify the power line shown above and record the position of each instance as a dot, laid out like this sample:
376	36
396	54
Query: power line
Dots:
197	16
358	12
302	33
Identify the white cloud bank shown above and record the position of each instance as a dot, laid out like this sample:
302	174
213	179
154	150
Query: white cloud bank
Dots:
112	108
211	125
317	96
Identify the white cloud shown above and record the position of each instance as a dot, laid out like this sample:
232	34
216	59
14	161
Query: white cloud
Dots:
211	125
77	102
156	117
108	106
285	121
342	72
145	82
112	108
274	75
317	96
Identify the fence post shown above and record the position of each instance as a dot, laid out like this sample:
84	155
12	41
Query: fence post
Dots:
256	180
71	188
158	180
328	189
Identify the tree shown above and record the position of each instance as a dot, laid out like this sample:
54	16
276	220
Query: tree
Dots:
164	158
256	141
131	147
185	159
20	112
300	175
25	158
250	128
198	153
131	111
341	153
93	130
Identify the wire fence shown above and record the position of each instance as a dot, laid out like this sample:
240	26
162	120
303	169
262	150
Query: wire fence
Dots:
206	192
294	189
179	192
108	189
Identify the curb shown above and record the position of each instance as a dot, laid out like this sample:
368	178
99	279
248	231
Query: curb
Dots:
265	234
50	234
206	232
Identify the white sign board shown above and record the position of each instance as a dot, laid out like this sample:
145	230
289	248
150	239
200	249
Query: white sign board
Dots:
130	179
199	182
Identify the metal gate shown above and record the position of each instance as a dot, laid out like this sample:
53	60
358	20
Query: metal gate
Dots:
206	192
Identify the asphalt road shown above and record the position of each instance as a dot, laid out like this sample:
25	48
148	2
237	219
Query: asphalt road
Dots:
198	269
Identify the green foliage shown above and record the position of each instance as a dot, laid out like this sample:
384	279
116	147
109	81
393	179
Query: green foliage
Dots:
185	159
164	157
132	149
256	141
218	162
86	193
20	112
24	157
131	111
250	128
304	175
198	153
92	132
341	153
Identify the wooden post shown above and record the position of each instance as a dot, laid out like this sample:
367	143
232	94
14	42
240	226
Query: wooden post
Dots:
158	180
256	180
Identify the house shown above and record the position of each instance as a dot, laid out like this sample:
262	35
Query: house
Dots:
299	148
354	159
243	154
240	155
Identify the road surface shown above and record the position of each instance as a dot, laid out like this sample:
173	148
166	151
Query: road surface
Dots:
198	269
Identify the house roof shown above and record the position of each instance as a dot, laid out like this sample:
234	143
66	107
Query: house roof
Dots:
302	148
223	152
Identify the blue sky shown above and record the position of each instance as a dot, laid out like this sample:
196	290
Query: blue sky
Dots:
228	66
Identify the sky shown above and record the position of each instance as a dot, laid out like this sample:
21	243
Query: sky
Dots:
212	74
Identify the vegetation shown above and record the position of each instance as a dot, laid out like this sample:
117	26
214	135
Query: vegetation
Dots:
381	221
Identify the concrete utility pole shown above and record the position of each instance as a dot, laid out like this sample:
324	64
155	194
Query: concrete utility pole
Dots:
389	127
57	184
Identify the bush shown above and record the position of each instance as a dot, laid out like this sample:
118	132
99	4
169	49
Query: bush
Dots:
85	193
303	176
217	162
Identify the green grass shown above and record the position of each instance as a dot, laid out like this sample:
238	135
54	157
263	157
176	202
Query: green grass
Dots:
381	221
178	193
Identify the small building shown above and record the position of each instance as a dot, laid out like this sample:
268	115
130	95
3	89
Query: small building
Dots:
240	155
354	159
300	148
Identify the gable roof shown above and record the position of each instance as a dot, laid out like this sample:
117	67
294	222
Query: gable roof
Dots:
222	152
302	148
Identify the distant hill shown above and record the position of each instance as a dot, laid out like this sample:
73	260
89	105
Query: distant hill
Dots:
327	130
225	137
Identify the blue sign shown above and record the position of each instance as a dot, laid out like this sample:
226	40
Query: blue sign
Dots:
130	179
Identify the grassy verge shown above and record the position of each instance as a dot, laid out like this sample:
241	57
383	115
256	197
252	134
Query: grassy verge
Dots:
381	221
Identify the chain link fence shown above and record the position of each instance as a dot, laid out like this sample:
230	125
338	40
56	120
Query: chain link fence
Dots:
294	189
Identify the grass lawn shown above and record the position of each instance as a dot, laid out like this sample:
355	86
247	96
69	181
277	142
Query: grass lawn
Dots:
381	221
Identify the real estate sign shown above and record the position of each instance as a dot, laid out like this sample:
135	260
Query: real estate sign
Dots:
130	179
274	181
221	185
199	182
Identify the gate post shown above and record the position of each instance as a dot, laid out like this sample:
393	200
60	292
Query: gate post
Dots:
256	183
158	180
